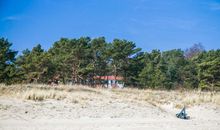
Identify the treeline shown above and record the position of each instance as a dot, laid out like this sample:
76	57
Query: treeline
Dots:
78	61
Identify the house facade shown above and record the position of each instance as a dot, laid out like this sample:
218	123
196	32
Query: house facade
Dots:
111	81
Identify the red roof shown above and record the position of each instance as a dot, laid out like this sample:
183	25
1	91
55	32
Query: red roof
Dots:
109	77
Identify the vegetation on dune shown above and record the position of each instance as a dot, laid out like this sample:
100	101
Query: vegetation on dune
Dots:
85	95
78	61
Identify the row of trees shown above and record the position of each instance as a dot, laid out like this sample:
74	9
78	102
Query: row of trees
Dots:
78	61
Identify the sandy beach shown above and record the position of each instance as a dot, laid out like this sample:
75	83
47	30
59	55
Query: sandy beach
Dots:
102	109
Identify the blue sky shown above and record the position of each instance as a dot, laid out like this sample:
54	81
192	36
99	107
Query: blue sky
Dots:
151	24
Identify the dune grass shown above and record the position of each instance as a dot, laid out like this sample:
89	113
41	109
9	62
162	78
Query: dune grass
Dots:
83	94
175	97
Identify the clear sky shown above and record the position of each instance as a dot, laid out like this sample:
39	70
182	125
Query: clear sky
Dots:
151	24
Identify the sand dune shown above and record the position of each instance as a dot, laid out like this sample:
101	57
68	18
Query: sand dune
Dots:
102	109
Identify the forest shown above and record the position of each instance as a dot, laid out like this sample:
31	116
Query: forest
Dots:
79	60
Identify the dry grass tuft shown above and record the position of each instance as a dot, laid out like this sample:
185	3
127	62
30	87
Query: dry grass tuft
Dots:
177	98
39	95
83	94
40	92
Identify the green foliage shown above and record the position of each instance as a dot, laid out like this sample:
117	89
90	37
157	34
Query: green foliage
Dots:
35	65
176	63
121	55
135	67
189	75
151	71
71	58
168	70
99	58
209	70
7	58
78	61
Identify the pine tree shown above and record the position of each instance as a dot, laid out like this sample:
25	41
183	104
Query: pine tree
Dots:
209	70
35	65
7	59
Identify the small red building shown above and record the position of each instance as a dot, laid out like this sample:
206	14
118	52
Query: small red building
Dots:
111	81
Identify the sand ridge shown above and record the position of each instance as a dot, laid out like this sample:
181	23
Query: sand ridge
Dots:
96	109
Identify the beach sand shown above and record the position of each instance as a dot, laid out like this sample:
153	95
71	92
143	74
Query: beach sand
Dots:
105	112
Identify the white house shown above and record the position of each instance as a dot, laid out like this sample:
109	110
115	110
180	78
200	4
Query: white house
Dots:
111	81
